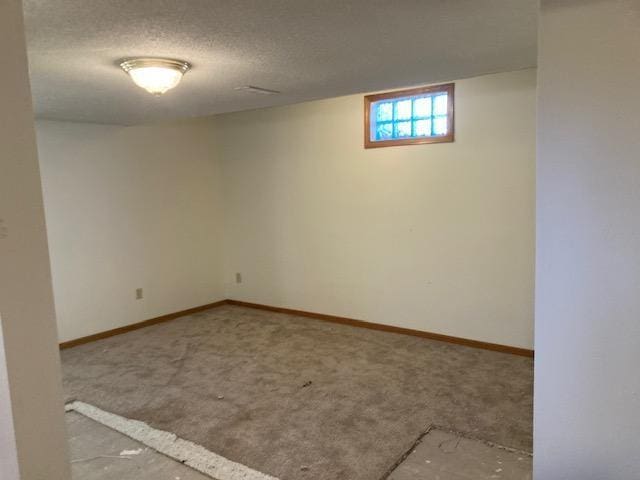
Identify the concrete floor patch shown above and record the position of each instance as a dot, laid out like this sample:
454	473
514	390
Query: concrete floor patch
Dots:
446	455
167	443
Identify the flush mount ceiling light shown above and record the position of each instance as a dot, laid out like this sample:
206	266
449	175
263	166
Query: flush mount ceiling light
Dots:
155	75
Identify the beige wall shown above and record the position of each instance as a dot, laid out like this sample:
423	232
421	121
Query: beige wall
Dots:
431	237
130	207
8	448
32	440
587	388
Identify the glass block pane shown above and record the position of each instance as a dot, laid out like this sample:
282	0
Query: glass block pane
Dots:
423	128
384	131
403	109
440	105
384	111
422	107
440	126
403	129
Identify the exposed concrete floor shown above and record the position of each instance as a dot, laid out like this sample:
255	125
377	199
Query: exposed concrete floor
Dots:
448	456
277	392
89	439
96	455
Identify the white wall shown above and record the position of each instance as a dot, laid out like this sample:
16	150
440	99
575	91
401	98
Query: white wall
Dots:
431	237
32	440
587	387
130	207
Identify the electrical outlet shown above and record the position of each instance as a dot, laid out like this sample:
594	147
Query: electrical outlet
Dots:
138	293
238	277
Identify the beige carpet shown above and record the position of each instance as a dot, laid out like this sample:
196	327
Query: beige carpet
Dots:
298	398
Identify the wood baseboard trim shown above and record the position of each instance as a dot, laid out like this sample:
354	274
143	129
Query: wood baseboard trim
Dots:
524	352
136	326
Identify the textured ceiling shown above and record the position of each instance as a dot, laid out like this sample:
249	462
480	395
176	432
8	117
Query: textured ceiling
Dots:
306	49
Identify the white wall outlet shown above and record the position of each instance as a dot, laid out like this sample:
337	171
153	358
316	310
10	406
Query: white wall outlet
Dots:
138	293
238	277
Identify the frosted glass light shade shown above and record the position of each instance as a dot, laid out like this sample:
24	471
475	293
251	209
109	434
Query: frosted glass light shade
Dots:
156	76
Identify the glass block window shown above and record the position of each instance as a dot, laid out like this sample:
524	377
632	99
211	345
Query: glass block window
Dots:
419	115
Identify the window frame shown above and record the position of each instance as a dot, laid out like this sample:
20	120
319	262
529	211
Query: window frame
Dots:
369	100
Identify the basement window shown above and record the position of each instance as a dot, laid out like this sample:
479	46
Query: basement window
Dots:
409	117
